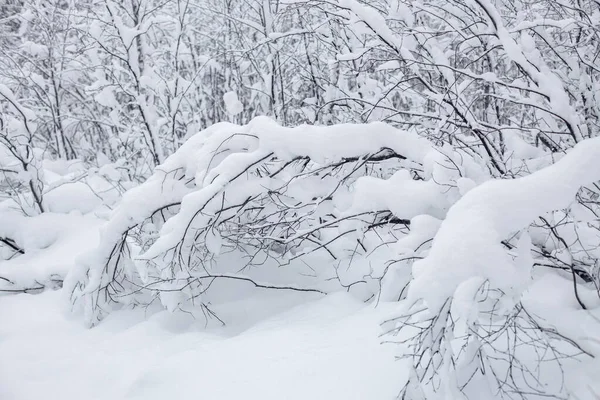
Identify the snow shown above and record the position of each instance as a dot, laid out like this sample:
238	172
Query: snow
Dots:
392	64
232	104
473	209
36	49
550	297
215	169
72	196
545	79
6	93
402	195
324	349
468	241
321	144
52	243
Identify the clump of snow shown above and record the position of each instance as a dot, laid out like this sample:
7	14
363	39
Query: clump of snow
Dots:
233	105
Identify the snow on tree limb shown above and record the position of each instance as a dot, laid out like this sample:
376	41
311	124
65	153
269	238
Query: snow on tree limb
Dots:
288	193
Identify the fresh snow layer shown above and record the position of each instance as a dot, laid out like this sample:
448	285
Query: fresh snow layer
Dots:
323	349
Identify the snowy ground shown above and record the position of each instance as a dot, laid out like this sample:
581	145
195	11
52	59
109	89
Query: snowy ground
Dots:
325	348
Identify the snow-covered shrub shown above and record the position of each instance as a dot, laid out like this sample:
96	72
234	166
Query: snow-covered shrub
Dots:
37	249
307	208
472	322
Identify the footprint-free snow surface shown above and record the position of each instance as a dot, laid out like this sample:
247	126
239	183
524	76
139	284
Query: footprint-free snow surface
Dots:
287	348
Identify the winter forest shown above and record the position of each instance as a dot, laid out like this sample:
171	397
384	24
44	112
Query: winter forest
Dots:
299	199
